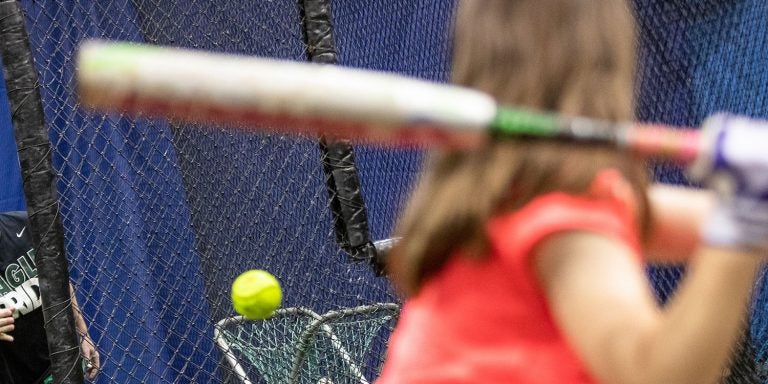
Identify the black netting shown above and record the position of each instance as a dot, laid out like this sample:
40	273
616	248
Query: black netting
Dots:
160	218
698	58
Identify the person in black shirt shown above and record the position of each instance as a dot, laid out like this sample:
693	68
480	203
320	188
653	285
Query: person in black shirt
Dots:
24	354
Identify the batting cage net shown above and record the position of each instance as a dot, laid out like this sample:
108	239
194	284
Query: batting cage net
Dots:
159	218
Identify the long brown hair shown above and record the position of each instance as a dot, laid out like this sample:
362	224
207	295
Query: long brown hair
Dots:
571	56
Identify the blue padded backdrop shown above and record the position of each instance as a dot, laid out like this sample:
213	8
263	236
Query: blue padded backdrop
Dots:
160	218
698	58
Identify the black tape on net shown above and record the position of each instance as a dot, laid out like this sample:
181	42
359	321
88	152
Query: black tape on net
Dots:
40	192
342	180
318	31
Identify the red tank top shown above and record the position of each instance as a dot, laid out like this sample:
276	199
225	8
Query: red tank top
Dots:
487	321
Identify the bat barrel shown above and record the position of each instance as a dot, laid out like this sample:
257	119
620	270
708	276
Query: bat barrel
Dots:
282	96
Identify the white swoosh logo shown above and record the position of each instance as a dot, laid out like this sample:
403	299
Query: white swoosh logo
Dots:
21	233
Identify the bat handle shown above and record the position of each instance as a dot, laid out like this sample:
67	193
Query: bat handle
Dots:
680	145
